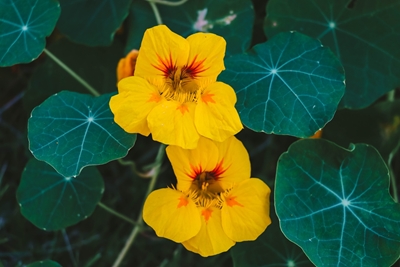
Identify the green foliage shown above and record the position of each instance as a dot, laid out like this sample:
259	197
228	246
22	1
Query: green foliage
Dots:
71	131
364	37
46	263
51	201
231	19
24	24
92	22
288	85
337	204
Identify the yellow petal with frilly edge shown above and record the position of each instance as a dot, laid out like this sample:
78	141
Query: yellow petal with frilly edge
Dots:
245	210
211	239
187	162
172	123
133	103
206	55
172	214
216	117
161	50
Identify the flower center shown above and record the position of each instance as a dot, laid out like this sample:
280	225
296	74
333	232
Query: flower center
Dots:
180	85
206	184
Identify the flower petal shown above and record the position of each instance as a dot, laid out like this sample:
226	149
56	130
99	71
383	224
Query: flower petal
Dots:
187	162
171	123
126	65
161	50
211	239
172	214
245	211
235	162
206	55
135	100
215	116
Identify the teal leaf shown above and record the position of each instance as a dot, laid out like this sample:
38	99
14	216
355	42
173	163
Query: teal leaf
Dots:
98	71
51	201
71	131
45	263
92	22
365	38
270	249
24	24
335	204
289	85
231	19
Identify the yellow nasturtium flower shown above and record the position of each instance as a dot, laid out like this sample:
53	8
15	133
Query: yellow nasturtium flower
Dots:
174	94
215	202
126	65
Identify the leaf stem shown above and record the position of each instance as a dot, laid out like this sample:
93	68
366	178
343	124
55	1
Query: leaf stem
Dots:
168	3
156	13
391	95
110	210
393	177
139	222
72	73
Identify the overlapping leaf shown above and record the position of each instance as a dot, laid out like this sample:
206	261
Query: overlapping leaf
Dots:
231	19
45	263
364	37
334	203
24	24
288	85
51	201
92	22
71	130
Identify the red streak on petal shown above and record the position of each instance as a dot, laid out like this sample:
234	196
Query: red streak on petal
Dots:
183	201
207	214
208	98
218	170
195	172
165	65
232	202
183	108
194	68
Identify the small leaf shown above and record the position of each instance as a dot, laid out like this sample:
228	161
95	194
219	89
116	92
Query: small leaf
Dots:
365	38
288	85
24	24
335	202
231	19
46	263
92	22
71	131
270	249
51	201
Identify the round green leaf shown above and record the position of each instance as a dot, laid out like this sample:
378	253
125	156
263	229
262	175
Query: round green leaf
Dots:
270	249
365	38
45	263
231	19
288	85
92	22
51	201
71	131
24	24
335	204
98	71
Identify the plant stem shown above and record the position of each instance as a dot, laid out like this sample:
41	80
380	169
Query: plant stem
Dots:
156	13
110	210
72	73
139	222
168	3
392	176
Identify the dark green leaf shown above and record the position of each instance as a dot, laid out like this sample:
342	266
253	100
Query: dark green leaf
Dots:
45	263
92	22
270	249
365	37
334	203
377	125
71	131
51	201
288	85
231	19
24	24
96	65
